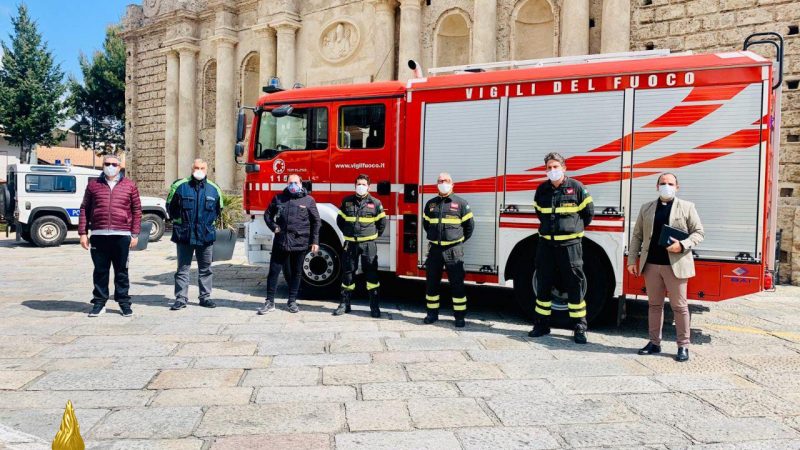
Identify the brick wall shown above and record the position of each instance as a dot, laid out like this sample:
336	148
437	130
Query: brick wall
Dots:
722	25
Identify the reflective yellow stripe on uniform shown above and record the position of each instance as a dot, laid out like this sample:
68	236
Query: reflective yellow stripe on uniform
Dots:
444	221
371	286
346	217
459	303
543	307
544	312
562	237
543	303
581	305
466	217
432	300
348	287
443	243
362	239
574	209
542	210
577	311
577	314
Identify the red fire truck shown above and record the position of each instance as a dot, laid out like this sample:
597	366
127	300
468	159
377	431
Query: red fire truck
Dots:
619	119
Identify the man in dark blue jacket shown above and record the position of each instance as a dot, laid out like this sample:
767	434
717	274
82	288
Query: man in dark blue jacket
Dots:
194	205
293	217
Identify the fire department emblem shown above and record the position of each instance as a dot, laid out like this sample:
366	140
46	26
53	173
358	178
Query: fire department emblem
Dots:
739	271
279	166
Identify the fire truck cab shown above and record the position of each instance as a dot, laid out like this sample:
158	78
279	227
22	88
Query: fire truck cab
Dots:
620	120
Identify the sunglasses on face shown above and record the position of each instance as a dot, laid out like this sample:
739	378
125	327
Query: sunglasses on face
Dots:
111	164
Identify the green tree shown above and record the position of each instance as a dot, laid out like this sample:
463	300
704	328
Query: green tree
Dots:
31	88
98	102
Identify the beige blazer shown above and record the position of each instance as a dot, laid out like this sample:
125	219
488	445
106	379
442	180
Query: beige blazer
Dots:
682	216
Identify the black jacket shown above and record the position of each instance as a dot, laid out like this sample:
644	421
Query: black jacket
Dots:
298	219
361	218
563	212
447	220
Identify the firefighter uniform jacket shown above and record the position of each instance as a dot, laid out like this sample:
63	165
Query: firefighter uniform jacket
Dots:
447	220
361	219
563	211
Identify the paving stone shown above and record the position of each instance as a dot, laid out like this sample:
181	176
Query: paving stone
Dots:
321	359
101	350
520	411
407	390
282	376
750	403
192	327
76	363
432	343
776	380
294	336
356	345
377	416
22	350
420	356
566	368
435	371
232	362
616	435
196	378
204	396
398	440
696	365
447	413
669	408
335	326
607	385
273	441
23	363
508	356
724	429
102	379
15	379
157	444
429	332
81	399
253	328
316	394
44	423
362	373
346	335
505	343
508	388
217	349
506	438
287	347
149	423
696	382
152	362
272	418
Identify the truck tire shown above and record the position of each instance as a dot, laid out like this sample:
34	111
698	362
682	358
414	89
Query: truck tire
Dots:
48	231
6	210
25	233
597	290
157	231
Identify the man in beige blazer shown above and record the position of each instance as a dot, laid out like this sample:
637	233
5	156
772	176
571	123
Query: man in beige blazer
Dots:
665	268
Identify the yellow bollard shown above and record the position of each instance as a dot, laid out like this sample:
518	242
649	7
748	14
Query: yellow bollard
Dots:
69	435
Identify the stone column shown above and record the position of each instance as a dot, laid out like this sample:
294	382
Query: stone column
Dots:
171	119
615	36
187	113
266	53
224	131
410	38
385	57
287	54
575	27
484	33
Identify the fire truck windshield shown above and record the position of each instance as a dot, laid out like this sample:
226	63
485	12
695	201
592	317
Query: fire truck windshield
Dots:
302	129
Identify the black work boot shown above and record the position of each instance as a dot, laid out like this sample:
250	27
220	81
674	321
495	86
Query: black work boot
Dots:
433	316
539	330
460	315
580	336
374	301
344	305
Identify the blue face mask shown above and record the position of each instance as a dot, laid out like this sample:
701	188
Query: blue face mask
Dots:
294	188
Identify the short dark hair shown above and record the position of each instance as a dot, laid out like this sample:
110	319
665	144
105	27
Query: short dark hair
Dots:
554	156
658	180
362	176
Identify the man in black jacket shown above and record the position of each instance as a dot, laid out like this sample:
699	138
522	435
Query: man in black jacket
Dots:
362	221
448	223
564	208
293	217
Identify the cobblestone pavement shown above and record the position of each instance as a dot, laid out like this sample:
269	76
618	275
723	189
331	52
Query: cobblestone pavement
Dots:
226	378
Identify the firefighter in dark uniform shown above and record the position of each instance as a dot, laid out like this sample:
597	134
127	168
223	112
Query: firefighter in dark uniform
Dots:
362	221
448	223
564	208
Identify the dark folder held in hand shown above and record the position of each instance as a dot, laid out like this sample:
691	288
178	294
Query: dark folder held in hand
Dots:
668	232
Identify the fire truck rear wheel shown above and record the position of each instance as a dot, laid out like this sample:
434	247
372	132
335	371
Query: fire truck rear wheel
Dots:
322	270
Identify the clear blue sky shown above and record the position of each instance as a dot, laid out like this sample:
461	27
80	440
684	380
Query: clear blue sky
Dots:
69	26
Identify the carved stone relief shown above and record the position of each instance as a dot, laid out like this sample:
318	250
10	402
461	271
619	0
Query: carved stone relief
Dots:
338	41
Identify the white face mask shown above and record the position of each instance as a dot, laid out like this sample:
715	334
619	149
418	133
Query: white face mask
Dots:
198	175
444	188
361	190
555	174
110	171
666	191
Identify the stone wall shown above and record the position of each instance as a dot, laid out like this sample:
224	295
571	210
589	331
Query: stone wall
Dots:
722	25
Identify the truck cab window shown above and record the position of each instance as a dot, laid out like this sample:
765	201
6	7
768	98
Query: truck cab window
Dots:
303	129
50	183
362	126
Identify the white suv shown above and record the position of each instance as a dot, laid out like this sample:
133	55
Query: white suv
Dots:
45	202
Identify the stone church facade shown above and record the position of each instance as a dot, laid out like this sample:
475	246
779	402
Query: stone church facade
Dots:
192	62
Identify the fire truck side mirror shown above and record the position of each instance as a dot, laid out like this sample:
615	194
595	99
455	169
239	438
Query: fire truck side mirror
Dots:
240	126
238	149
